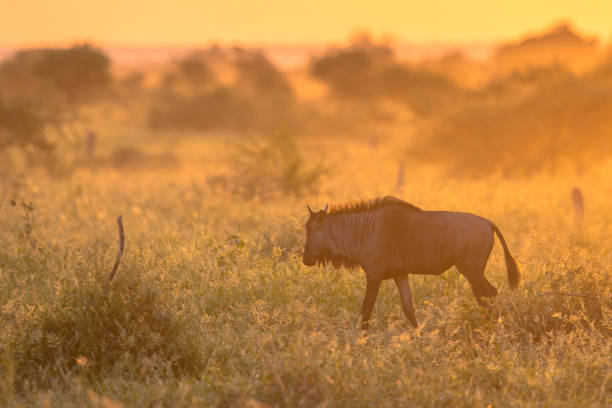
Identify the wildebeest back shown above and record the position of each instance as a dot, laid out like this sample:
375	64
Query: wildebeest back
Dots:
422	242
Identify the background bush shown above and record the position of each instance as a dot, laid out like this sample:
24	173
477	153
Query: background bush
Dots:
22	125
192	97
366	70
77	74
551	126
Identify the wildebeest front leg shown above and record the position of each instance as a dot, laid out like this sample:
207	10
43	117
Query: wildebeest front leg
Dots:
372	287
403	286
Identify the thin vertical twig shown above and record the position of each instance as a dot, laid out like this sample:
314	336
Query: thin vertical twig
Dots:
399	182
578	201
121	246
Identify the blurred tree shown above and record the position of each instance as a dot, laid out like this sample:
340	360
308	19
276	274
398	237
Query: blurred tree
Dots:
77	74
423	91
189	75
192	97
350	71
555	125
603	71
195	70
221	108
559	45
22	125
133	83
366	70
260	78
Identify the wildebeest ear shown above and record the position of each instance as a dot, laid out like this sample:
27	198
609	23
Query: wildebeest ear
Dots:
326	207
310	212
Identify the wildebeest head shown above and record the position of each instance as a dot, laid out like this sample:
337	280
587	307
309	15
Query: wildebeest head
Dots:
316	239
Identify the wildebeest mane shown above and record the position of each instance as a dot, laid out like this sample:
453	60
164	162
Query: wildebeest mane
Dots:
336	260
369	205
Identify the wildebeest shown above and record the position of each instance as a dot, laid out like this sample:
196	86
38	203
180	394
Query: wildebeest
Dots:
390	238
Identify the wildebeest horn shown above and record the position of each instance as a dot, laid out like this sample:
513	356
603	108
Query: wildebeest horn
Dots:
326	207
309	209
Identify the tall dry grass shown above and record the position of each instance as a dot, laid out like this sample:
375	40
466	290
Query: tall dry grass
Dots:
212	305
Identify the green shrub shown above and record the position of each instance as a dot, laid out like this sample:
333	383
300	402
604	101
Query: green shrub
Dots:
129	329
267	167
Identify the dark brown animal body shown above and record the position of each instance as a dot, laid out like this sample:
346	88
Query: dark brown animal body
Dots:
390	238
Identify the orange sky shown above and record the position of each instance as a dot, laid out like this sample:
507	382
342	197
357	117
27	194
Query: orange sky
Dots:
27	22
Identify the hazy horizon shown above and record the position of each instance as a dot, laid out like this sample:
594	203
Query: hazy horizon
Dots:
191	22
292	54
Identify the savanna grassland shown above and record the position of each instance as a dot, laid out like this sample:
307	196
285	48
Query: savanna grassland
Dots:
212	305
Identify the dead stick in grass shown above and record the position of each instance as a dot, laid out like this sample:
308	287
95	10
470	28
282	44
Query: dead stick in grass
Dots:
121	246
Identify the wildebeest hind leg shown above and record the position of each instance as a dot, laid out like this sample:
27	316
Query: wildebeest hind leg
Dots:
472	265
372	287
403	286
491	290
481	290
481	287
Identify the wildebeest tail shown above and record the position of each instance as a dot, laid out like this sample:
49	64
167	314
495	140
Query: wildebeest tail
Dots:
512	268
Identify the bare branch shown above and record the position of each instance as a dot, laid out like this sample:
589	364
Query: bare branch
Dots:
578	201
121	246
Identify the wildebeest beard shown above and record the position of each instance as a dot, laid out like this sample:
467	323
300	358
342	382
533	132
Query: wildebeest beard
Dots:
337	260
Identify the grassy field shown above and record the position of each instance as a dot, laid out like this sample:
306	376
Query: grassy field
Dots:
213	307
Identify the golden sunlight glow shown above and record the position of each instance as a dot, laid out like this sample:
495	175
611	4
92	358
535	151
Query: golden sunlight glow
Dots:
281	21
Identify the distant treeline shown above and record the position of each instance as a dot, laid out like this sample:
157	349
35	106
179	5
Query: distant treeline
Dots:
534	111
